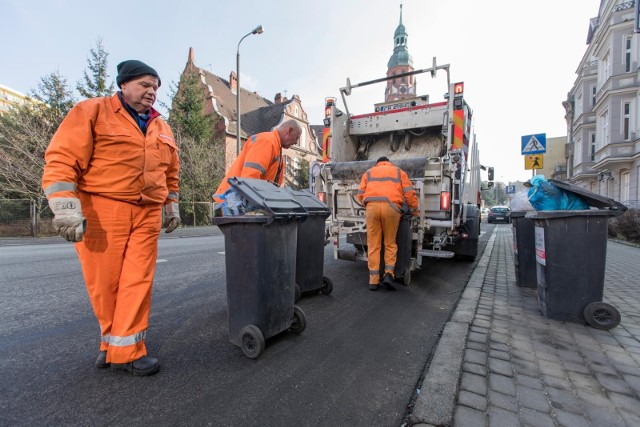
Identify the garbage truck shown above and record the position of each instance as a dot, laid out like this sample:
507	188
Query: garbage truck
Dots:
433	142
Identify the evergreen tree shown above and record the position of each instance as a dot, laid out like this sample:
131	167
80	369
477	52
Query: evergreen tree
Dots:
187	112
202	159
94	82
301	175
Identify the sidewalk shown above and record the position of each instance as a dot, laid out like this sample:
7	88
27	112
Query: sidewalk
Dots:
179	232
517	368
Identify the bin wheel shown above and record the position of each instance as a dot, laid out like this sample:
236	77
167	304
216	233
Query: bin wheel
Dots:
601	315
298	293
251	341
406	279
327	285
299	322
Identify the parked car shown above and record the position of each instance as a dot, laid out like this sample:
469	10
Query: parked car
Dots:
499	214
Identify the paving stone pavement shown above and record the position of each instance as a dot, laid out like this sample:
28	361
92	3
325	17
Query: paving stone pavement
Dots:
518	368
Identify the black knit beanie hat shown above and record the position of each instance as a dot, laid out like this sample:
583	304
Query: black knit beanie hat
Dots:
382	159
128	70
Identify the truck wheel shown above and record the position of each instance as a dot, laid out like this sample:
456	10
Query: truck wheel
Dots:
327	285
601	315
299	321
252	341
298	293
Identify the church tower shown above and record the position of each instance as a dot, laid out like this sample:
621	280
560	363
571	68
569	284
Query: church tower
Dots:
400	62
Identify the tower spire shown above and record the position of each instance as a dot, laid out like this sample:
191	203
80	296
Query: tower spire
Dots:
400	62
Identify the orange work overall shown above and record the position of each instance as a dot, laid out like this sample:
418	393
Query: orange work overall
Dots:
118	257
382	223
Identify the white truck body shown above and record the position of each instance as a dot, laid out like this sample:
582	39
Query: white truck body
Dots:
434	145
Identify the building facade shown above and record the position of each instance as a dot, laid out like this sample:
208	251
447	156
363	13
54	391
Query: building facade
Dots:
258	115
603	107
10	98
554	161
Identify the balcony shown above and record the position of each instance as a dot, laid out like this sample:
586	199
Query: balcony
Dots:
616	152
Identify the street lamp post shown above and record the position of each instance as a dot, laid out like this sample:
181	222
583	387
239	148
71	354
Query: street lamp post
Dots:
257	30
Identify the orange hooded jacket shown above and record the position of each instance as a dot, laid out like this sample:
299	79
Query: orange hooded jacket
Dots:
385	182
100	149
261	158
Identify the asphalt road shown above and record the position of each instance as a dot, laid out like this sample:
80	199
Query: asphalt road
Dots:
358	363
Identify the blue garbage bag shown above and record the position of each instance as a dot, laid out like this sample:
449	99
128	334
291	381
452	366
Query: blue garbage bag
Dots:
545	196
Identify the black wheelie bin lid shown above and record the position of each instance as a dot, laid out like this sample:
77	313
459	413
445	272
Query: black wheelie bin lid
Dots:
310	202
591	198
277	203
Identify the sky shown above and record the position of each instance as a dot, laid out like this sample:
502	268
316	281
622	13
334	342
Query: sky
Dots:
517	58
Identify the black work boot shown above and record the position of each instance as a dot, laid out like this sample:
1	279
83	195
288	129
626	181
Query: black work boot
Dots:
140	368
373	287
101	360
387	281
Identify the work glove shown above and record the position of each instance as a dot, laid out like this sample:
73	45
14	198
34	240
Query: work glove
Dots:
171	217
68	220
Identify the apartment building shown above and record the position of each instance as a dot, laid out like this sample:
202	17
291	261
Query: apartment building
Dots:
603	107
10	98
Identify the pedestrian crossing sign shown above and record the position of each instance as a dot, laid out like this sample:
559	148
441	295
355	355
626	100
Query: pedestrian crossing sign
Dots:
534	144
533	162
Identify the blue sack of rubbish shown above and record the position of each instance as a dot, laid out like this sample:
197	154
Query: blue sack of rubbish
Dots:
544	196
233	204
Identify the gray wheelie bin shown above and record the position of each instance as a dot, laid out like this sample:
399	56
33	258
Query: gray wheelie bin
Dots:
310	251
570	252
524	250
260	259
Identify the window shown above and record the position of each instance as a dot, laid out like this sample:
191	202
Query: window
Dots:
288	165
577	152
605	70
603	134
578	105
626	119
594	90
627	54
625	178
592	136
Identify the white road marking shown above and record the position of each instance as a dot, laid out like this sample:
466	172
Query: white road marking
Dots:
158	261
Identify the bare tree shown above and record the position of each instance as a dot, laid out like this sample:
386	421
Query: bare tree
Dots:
25	132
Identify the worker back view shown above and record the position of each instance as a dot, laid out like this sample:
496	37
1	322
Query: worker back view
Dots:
384	188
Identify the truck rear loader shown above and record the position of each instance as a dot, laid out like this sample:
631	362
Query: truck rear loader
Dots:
434	144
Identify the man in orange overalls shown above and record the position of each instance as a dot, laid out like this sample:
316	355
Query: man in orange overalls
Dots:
261	156
115	162
383	189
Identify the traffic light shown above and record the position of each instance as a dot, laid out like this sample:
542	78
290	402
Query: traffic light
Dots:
490	173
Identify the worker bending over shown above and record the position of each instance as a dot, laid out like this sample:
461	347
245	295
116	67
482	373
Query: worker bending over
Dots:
383	189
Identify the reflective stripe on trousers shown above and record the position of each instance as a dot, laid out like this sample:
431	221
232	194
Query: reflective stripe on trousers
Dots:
118	257
382	223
